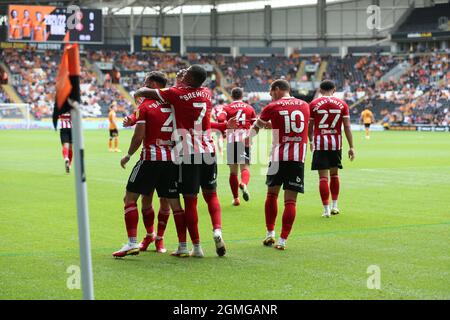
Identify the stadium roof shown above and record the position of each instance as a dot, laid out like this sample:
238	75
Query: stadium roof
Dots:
172	6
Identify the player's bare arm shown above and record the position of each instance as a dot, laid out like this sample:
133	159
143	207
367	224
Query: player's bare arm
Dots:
136	140
148	93
349	136
254	130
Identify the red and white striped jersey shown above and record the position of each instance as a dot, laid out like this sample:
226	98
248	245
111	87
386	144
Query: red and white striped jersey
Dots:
289	117
192	113
327	114
158	120
217	113
65	121
245	116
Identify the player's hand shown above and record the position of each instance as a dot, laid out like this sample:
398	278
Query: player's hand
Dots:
232	123
351	154
124	161
127	122
268	125
311	147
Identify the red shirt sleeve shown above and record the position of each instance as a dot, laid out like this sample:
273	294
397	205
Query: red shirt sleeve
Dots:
222	126
266	113
253	117
139	114
311	113
133	118
222	115
167	95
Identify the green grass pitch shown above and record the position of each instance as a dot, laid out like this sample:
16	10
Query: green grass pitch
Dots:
395	203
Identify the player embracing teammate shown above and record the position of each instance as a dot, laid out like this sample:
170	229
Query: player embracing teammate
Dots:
191	108
154	171
328	114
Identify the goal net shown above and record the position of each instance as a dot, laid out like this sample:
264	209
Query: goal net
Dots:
15	116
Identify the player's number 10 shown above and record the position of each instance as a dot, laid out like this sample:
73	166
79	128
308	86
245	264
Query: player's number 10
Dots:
290	122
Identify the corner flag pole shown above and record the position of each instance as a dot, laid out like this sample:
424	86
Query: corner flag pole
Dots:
80	177
82	204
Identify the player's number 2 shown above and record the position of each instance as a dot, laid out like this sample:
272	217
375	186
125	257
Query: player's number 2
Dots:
322	124
167	126
290	121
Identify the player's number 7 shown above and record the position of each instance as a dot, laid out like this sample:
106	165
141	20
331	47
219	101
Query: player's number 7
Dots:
202	114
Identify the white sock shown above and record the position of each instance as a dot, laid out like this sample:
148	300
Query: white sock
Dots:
196	246
282	241
217	232
182	245
159	238
326	208
271	233
132	240
151	234
334	205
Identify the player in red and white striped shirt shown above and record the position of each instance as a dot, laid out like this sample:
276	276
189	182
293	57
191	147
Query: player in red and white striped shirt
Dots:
217	116
191	106
328	114
154	170
238	143
288	118
65	133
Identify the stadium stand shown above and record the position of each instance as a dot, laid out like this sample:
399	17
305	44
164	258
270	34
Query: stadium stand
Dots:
418	95
3	97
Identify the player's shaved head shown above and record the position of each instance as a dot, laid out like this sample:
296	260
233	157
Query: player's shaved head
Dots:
281	84
237	93
195	76
327	85
158	77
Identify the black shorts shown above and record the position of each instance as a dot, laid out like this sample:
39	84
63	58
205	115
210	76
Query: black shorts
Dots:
367	125
65	135
113	133
199	173
289	174
238	153
150	175
326	159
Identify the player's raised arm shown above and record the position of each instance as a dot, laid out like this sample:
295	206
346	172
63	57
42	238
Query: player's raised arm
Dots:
136	140
349	136
148	93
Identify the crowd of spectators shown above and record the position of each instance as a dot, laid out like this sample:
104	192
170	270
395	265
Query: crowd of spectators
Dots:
255	74
420	95
34	79
3	97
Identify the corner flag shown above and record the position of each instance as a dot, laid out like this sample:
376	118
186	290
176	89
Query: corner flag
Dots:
68	99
